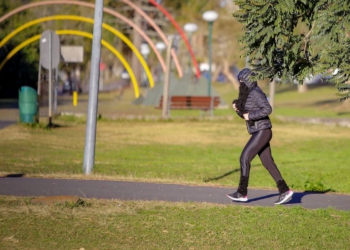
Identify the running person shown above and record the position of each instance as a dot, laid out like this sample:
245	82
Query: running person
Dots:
253	106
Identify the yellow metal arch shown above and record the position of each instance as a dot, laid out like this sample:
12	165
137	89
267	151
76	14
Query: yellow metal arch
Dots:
84	34
88	20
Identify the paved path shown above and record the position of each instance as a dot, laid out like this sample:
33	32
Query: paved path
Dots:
9	113
4	124
100	189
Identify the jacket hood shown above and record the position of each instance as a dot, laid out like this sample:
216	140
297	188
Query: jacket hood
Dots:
244	76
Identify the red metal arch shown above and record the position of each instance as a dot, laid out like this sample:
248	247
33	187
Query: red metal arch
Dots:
109	11
181	32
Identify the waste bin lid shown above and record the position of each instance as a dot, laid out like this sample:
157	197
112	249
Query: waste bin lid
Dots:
27	88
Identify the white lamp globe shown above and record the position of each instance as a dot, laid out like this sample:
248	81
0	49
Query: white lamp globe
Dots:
210	16
160	46
190	27
145	49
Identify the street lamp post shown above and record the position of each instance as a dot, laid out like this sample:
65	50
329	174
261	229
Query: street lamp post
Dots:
190	28
144	52
160	47
210	16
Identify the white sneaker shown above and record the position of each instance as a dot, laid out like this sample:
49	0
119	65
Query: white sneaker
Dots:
285	197
237	197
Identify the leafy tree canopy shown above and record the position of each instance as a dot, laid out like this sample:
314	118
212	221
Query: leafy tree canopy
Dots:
277	47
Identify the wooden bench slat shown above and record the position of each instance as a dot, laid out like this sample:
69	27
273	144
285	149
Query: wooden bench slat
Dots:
191	102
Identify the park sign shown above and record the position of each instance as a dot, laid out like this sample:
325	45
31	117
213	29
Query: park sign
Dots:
49	49
72	54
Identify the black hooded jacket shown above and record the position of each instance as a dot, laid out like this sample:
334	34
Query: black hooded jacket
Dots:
256	104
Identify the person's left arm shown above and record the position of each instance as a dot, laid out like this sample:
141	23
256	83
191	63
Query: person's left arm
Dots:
264	107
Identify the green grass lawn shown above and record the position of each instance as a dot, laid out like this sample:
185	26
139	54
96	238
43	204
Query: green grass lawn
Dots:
310	157
115	224
318	101
187	150
133	143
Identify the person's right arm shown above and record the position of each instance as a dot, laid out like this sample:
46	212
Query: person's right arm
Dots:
237	110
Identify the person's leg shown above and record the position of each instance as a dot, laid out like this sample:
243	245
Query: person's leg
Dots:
269	163
256	142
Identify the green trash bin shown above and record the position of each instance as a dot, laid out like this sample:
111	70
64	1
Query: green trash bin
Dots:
28	105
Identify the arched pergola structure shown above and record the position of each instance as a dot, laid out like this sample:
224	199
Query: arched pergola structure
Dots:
88	20
159	31
181	32
111	12
84	34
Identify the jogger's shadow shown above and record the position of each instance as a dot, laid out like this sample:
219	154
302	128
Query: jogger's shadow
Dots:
296	198
262	197
209	179
215	178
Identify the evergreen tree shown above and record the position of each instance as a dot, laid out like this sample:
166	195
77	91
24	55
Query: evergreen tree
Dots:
333	30
277	48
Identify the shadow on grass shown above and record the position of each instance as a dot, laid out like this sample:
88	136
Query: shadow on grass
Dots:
42	125
12	175
209	179
221	176
326	102
226	174
53	125
343	113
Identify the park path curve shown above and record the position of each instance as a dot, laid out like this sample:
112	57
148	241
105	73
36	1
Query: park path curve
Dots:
126	190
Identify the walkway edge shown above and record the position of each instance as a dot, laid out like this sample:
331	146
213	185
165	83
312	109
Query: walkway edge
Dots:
126	190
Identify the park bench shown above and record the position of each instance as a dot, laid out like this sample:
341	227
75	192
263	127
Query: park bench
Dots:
191	102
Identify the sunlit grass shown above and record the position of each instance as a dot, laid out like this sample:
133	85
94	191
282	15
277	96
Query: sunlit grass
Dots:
184	151
134	143
115	224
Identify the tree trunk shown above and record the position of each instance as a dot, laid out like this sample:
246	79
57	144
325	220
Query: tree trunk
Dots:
230	77
217	72
272	93
302	88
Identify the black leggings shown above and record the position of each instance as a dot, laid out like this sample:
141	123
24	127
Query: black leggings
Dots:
259	144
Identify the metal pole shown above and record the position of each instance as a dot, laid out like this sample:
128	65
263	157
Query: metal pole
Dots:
209	76
90	139
189	55
55	92
39	78
165	110
50	78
